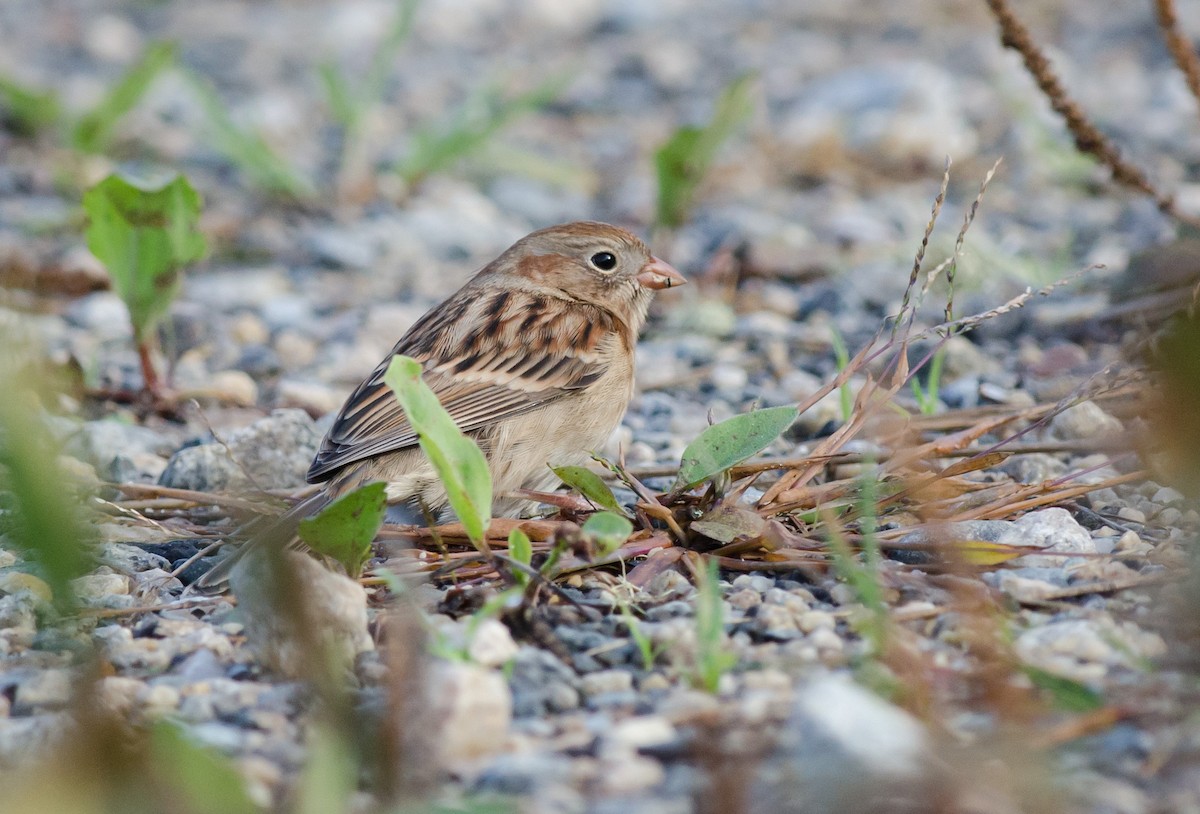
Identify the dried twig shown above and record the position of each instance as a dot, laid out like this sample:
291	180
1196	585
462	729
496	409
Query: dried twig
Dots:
1088	138
1179	45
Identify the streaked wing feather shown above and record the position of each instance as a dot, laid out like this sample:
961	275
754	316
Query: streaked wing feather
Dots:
477	389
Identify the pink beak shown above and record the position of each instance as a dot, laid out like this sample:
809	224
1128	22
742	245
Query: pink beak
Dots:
659	274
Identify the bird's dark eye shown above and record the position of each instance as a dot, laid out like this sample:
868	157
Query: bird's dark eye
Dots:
605	261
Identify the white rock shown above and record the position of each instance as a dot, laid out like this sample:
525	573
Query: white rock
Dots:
95	587
1053	530
816	620
1086	649
334	614
864	726
46	688
605	681
643	731
492	645
1024	589
826	641
1084	420
472	710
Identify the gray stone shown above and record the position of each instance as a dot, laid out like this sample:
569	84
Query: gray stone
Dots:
273	452
130	559
1084	420
542	684
846	749
1087	649
1033	468
120	452
335	607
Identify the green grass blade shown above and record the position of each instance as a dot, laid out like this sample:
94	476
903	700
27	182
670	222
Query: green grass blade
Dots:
94	132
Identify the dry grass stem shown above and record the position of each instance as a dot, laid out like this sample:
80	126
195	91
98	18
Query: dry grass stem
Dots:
1179	45
1088	138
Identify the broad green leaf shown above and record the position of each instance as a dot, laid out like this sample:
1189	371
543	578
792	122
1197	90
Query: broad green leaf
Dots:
608	530
199	779
345	529
686	158
458	460
144	236
1068	694
590	485
727	444
27	111
93	133
520	549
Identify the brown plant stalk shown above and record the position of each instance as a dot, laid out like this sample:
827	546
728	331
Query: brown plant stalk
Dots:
1088	138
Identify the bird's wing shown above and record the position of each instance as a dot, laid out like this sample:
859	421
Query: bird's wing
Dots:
487	356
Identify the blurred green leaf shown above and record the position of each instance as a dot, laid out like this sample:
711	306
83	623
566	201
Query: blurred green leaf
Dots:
345	529
144	236
201	779
349	105
439	147
842	355
713	658
520	549
262	166
26	110
590	485
44	521
1176	361
458	460
609	531
686	158
341	99
330	776
93	133
727	444
1066	694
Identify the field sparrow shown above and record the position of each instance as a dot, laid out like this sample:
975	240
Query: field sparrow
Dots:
533	358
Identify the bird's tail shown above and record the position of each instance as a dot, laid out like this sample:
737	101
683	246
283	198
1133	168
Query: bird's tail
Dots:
277	533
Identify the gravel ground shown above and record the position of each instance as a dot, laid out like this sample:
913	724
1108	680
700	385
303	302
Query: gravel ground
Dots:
805	228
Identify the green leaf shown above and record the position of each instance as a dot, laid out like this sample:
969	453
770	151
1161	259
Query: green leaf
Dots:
590	485
1068	695
342	103
28	111
713	657
520	549
439	147
458	460
45	523
330	776
345	529
609	531
199	780
727	444
93	133
686	158
247	150
144	236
